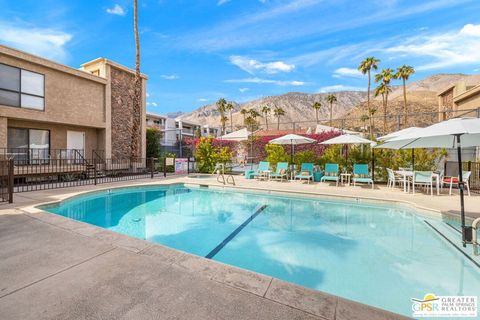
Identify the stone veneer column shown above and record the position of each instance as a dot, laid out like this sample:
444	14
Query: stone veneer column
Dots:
3	132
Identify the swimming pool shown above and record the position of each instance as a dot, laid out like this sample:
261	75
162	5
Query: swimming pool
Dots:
373	253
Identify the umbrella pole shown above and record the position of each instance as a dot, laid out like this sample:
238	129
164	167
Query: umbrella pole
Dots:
413	159
460	187
291	159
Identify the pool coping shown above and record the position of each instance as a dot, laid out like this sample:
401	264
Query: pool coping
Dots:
314	302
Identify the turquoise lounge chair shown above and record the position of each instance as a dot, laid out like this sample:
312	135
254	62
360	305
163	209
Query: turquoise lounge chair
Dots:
361	174
306	172
331	173
280	172
262	166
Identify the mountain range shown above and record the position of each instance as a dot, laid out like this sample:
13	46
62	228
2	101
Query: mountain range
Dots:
422	97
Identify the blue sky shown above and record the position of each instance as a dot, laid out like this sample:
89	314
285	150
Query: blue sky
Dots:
196	51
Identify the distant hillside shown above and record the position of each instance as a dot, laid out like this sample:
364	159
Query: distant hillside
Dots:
297	106
422	97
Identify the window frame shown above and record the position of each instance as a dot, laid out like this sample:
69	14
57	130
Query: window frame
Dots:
28	94
29	160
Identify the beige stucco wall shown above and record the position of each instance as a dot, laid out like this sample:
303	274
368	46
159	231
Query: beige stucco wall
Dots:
58	134
69	99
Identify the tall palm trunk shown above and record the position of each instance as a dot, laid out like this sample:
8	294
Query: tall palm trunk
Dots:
385	113
331	112
231	121
405	102
278	123
137	98
368	105
316	114
266	121
384	105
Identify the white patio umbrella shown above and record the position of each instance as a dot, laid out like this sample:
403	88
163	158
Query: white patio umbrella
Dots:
292	140
347	139
239	135
400	133
453	133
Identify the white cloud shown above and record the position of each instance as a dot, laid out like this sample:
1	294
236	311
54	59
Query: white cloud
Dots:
117	9
169	76
222	2
148	95
49	43
252	66
152	104
242	90
449	49
202	100
267	81
347	72
339	87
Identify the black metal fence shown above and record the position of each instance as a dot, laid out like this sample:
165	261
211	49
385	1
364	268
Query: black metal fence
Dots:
6	180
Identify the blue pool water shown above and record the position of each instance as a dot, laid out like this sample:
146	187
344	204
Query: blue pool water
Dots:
376	254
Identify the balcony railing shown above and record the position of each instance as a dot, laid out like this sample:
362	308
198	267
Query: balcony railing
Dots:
39	156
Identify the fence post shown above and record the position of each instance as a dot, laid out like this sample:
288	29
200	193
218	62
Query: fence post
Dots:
151	167
188	165
10	180
165	167
95	171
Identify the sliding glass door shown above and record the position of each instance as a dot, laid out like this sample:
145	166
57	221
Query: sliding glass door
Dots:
29	146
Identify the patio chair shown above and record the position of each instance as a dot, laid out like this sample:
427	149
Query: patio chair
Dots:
454	181
262	167
280	172
331	173
393	178
423	178
306	172
361	174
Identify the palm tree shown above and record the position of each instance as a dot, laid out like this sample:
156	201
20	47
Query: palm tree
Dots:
404	72
229	107
137	92
386	75
364	118
366	67
244	113
316	106
331	98
221	108
254	113
371	113
278	112
266	111
383	89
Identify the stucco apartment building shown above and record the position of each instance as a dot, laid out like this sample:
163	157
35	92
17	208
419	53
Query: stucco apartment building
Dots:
175	129
48	109
459	99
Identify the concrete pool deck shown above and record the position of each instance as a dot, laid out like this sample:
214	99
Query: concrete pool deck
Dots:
55	267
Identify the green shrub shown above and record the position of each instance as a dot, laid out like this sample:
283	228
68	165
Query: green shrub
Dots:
207	155
306	156
153	137
276	154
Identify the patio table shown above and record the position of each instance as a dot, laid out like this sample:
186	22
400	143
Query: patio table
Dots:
408	176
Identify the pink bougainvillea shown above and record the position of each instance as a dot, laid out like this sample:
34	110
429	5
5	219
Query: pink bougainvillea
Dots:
259	143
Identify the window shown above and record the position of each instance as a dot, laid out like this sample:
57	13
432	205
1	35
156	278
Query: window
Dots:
29	146
21	88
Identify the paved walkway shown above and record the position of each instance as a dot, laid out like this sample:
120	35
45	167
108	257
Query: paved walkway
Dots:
56	268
